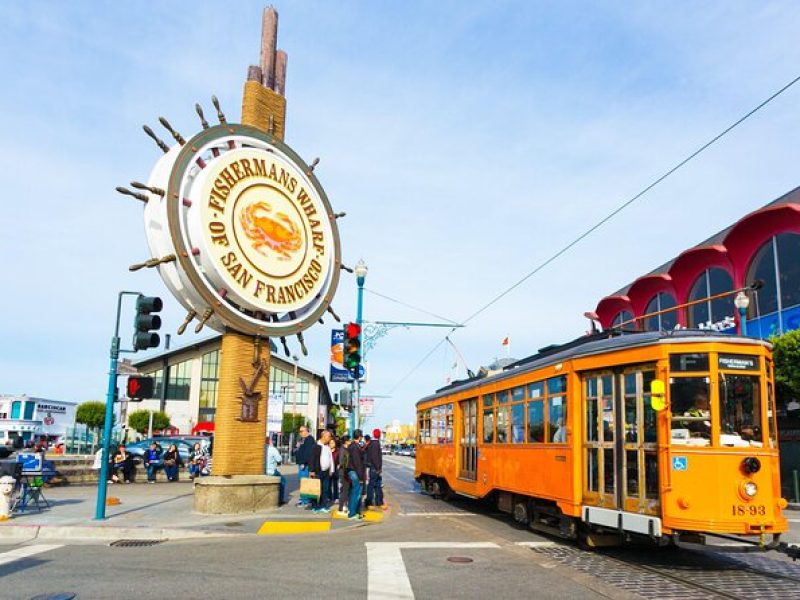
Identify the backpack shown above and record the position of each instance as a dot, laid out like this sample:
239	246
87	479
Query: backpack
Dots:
344	460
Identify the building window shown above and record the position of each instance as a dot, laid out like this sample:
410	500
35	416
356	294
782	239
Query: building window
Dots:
180	380
158	381
763	268
664	321
283	383
208	386
711	282
29	408
15	409
622	317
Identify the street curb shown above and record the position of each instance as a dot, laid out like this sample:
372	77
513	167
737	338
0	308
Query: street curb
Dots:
89	532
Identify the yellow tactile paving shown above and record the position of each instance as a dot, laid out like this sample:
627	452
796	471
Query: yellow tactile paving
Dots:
291	527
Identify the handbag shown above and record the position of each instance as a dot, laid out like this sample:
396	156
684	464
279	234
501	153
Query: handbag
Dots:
310	489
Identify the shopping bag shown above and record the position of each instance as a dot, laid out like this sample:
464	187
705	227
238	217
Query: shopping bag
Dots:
310	489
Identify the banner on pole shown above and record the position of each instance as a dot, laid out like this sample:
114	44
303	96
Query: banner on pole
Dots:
338	373
275	413
366	407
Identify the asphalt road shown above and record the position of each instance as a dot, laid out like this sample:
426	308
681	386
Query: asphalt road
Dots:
408	555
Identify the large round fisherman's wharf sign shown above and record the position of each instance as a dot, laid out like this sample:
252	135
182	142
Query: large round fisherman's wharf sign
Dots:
255	240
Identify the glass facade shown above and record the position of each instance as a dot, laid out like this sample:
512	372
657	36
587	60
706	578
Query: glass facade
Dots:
623	317
711	282
660	322
209	379
283	383
775	306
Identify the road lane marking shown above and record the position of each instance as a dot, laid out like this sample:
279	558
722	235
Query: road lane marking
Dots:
537	544
25	552
793	520
292	527
387	578
437	514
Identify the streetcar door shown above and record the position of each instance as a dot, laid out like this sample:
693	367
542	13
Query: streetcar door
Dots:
637	452
468	455
599	440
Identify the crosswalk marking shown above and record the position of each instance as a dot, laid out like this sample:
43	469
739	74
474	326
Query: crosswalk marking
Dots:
25	552
387	578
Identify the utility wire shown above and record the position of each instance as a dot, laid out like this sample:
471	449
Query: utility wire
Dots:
627	203
602	222
422	310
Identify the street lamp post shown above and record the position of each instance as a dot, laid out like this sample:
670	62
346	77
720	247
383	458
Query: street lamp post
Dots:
742	302
361	274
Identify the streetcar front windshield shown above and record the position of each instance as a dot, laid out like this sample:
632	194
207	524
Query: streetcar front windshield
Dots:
740	410
691	411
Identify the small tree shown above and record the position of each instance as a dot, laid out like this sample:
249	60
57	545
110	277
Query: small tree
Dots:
139	420
92	414
786	353
292	422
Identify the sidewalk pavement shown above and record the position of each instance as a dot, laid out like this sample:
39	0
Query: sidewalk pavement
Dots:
160	511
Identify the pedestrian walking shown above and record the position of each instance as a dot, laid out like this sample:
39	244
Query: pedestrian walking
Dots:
302	456
357	475
273	459
152	460
344	475
374	460
321	467
333	482
172	460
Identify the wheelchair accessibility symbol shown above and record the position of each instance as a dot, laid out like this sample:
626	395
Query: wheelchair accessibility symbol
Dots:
680	463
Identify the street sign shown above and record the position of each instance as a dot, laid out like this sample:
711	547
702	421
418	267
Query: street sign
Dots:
366	407
338	373
275	413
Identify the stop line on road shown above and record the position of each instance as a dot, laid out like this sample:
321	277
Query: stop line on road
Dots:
26	552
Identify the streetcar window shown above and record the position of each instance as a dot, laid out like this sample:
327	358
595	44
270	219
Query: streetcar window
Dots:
488	399
557	413
740	410
651	475
688	362
591	470
631	406
773	437
591	419
518	393
448	423
536	390
488	426
691	411
632	473
649	412
518	423
557	385
502	425
535	422
608	470
502	397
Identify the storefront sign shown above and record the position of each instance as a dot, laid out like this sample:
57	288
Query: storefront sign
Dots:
51	408
738	362
252	239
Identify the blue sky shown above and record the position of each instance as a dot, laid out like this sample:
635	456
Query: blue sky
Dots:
467	141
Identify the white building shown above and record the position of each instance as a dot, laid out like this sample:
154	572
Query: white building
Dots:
190	396
27	419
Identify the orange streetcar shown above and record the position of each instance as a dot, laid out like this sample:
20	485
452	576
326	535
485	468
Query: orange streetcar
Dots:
668	435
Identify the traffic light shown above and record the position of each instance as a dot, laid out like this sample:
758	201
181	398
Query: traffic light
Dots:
352	348
140	388
146	323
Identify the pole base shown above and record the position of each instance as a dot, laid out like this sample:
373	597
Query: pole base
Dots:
236	494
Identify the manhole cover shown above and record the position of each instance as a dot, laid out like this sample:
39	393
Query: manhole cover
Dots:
459	559
59	596
134	543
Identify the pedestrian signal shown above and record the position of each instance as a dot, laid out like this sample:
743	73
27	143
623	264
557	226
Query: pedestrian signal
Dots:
352	348
140	388
146	323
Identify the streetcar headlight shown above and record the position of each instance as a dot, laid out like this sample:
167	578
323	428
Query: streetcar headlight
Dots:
750	489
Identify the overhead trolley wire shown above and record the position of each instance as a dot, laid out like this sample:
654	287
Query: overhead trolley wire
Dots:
604	220
401	303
